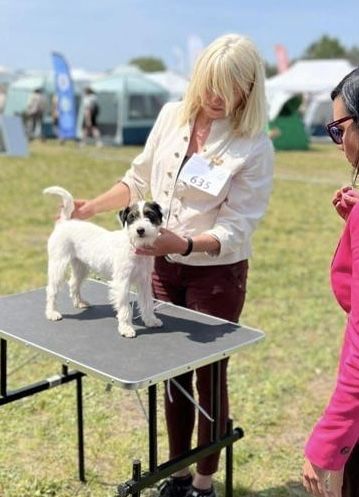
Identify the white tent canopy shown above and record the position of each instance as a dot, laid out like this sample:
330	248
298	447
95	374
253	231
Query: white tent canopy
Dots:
174	83
308	77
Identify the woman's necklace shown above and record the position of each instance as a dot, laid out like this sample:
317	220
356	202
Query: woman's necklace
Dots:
202	131
199	135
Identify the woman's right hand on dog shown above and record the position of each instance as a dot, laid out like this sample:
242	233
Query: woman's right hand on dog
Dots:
83	209
344	200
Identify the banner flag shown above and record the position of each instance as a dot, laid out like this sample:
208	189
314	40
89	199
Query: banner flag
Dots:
282	58
65	97
194	47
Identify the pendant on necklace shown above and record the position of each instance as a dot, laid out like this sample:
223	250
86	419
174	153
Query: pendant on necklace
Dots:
217	161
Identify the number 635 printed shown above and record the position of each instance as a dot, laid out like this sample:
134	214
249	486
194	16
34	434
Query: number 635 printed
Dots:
200	182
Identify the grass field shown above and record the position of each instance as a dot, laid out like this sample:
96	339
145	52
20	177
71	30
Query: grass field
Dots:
278	387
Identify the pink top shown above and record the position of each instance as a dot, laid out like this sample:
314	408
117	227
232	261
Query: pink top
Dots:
337	431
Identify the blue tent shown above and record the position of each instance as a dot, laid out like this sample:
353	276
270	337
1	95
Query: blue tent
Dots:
129	103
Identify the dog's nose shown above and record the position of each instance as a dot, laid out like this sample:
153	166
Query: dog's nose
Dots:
140	231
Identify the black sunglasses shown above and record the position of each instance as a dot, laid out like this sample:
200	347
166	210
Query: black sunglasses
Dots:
335	132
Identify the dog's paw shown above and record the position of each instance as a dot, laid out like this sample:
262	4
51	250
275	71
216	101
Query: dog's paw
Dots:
53	315
153	322
126	331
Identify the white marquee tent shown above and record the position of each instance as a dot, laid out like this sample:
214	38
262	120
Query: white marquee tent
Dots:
174	83
313	79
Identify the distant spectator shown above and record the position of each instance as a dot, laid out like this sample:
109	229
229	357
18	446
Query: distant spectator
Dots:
2	99
91	112
34	114
54	115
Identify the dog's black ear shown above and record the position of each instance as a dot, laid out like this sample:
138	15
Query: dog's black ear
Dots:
158	209
122	215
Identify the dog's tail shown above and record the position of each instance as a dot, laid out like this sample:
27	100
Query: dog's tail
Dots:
68	205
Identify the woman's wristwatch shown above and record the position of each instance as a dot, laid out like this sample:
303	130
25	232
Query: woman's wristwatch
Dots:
189	246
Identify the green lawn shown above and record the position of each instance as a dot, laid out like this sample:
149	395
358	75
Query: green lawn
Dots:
278	387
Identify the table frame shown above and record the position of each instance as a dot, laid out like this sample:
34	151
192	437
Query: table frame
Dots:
140	480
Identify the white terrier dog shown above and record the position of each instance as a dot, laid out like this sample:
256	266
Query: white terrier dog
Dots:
85	246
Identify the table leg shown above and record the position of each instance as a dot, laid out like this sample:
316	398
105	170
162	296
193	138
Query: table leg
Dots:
152	427
80	429
136	475
3	367
229	462
216	400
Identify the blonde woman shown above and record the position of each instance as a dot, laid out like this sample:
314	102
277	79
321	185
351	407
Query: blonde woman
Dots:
208	162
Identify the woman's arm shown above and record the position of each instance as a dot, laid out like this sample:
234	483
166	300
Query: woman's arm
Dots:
171	243
116	197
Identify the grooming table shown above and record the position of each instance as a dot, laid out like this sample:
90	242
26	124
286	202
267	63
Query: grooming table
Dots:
88	340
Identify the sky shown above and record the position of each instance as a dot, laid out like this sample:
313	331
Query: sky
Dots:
98	35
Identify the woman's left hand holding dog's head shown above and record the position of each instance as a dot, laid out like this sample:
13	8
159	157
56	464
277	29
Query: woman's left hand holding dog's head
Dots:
166	243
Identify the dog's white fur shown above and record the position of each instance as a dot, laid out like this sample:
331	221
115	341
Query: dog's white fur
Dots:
85	246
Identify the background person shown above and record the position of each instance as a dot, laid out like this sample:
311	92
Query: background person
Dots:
2	98
34	114
91	112
55	115
201	256
334	438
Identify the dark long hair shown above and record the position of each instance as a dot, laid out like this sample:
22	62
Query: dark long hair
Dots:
348	90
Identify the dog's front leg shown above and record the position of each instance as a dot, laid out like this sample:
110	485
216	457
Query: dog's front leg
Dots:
119	294
145	302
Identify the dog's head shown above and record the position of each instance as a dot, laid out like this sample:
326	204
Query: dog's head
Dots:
142	222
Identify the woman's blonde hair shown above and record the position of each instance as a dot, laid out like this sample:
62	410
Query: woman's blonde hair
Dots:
229	66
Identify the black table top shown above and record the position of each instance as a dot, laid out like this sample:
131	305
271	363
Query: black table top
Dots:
88	339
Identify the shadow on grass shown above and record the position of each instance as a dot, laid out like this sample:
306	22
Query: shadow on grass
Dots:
290	489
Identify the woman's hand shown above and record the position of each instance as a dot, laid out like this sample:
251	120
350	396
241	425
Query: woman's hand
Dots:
83	209
320	482
166	243
344	200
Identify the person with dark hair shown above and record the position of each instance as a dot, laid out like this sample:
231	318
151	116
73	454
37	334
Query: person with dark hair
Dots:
91	112
209	163
331	468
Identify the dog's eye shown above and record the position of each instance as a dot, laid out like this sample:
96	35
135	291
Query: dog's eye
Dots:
151	216
130	218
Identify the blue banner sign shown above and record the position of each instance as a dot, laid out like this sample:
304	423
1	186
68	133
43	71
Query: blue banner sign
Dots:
65	96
